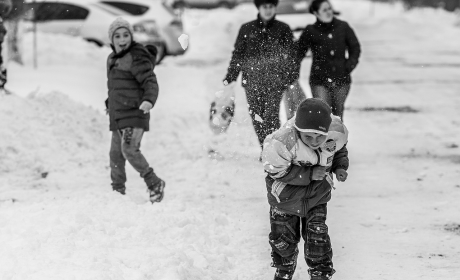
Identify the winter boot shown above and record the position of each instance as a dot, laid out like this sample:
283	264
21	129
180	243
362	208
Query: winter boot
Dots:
121	190
283	275
156	191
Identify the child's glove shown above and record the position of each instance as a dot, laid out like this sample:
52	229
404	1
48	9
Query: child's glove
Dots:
318	172
145	106
341	174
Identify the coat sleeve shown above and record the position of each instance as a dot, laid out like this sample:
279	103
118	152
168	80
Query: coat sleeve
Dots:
340	160
278	164
354	49
108	71
142	70
236	62
302	45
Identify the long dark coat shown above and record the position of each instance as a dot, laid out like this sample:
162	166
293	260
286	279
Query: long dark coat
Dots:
263	53
329	43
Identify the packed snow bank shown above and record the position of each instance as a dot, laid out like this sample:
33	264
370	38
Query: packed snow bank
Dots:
45	134
65	64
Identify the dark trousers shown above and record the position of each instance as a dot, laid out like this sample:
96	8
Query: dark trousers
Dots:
334	95
285	234
264	107
125	145
3	72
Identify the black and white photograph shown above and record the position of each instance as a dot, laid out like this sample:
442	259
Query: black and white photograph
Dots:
229	139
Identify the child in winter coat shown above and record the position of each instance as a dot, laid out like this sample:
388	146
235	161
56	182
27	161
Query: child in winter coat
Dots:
133	91
300	158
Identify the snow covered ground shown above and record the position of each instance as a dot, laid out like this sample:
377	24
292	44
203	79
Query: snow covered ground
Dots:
396	217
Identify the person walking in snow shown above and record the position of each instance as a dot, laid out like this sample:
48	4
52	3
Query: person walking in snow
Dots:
299	160
132	92
3	71
329	39
264	54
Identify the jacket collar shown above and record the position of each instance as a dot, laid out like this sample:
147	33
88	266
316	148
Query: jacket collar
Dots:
123	52
268	24
325	25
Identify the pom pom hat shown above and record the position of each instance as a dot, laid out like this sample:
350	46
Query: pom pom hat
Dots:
117	24
259	3
313	115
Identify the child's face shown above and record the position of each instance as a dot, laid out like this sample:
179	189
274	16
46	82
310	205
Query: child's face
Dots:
325	12
312	139
267	11
121	39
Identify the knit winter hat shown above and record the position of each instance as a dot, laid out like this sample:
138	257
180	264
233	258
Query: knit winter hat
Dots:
259	3
117	24
313	115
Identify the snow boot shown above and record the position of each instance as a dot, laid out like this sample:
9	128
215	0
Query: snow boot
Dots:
121	190
156	191
283	275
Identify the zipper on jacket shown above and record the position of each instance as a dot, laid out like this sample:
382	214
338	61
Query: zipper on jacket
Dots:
307	194
318	156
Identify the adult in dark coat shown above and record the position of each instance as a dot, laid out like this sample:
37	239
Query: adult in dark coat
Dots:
329	40
264	54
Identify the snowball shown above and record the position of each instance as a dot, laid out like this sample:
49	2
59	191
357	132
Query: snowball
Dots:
183	40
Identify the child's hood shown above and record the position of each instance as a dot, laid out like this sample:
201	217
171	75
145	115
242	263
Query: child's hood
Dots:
136	50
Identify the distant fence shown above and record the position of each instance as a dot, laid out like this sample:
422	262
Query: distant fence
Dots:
449	5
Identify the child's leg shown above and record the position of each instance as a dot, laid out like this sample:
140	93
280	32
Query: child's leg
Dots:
117	163
318	251
130	147
283	238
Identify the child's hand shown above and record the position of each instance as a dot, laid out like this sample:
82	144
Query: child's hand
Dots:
145	106
341	175
318	173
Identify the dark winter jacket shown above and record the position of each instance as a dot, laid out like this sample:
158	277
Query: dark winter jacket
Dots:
289	163
2	32
2	37
329	43
131	81
264	54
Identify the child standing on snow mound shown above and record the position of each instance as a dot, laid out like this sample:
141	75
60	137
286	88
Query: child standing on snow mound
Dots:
133	91
300	158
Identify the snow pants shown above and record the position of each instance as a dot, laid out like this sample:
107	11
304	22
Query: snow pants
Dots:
264	107
285	234
333	94
125	145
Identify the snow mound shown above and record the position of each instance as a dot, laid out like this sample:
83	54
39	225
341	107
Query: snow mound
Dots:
45	132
